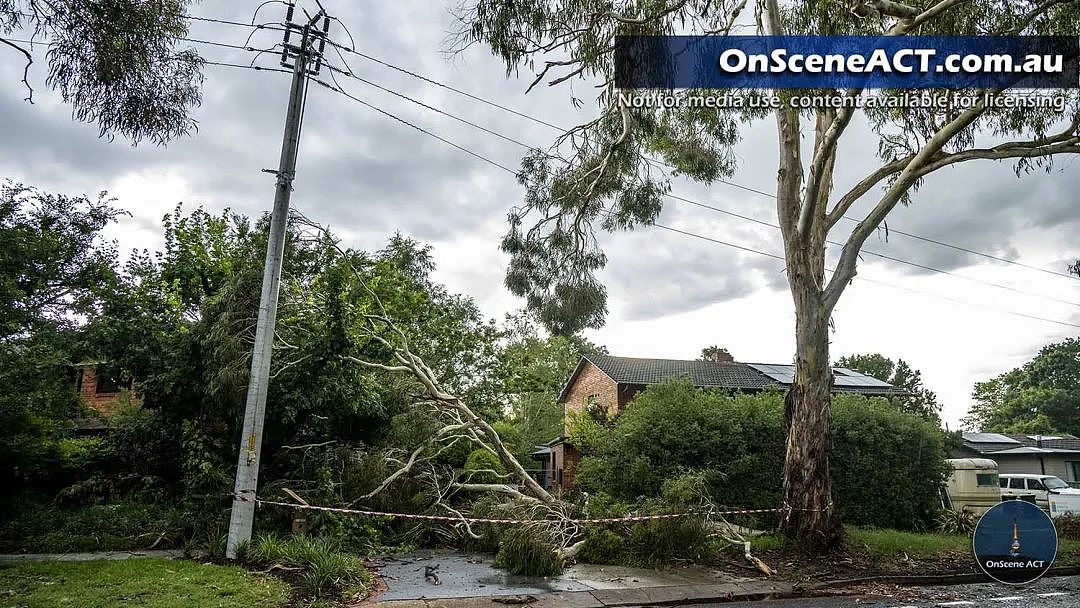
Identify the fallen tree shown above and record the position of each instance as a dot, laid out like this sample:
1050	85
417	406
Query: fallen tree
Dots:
556	520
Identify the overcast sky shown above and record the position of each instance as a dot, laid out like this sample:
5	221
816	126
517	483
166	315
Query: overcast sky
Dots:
670	295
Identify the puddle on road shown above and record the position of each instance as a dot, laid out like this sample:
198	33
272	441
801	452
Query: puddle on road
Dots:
465	575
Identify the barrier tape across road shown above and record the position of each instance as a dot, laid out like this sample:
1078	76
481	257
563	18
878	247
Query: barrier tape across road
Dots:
489	520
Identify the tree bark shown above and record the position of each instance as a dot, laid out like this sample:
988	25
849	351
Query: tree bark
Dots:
810	520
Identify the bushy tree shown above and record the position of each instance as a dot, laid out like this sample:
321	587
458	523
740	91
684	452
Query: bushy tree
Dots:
1041	396
51	264
919	400
531	371
715	353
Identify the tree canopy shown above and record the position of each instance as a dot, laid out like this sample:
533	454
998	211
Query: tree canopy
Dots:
1041	396
715	353
119	63
920	400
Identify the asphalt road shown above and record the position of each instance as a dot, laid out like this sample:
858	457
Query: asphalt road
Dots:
1056	592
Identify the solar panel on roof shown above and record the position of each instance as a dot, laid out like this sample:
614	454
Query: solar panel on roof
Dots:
988	438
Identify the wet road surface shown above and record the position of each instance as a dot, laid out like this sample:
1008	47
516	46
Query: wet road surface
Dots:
1052	592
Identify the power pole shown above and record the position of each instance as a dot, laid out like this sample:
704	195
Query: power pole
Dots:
242	517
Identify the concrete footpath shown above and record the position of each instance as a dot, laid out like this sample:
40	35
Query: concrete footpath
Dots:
601	598
468	580
89	557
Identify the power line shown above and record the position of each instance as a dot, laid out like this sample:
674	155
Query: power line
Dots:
230	46
678	230
246	66
350	74
415	126
259	26
883	256
722	181
445	86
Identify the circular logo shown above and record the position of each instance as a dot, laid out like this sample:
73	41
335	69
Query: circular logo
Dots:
1015	542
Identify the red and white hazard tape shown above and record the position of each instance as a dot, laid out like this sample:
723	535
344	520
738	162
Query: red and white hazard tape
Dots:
489	520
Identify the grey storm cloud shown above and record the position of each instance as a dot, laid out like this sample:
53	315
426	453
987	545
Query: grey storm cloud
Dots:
675	276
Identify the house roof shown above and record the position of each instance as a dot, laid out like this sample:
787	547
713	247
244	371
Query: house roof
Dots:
712	374
1064	442
990	438
631	370
1033	450
996	443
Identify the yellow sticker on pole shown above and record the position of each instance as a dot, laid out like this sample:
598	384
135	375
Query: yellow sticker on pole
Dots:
251	448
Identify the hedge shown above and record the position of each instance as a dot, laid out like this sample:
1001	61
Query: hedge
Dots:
887	466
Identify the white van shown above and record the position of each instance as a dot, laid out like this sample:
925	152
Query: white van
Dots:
1014	485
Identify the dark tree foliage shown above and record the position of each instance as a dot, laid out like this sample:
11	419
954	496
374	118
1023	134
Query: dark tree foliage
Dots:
52	258
1041	396
1075	268
119	63
715	353
51	264
919	400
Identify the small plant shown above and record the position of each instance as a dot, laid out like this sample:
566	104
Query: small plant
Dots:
956	522
267	548
324	569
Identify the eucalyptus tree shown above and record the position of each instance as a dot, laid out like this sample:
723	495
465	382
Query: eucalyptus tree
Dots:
119	63
608	173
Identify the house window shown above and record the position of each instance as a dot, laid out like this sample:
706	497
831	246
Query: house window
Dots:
106	383
1074	470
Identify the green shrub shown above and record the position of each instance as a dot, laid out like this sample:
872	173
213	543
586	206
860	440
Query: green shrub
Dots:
484	467
602	546
887	466
325	570
528	550
121	526
1068	527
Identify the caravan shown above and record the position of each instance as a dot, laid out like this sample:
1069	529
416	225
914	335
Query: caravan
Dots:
973	485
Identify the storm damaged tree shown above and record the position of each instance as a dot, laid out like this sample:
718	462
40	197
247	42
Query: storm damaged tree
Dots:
118	63
613	172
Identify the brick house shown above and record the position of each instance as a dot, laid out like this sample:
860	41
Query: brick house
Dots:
99	390
609	383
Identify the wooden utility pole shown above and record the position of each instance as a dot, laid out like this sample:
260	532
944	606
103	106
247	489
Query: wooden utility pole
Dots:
242	517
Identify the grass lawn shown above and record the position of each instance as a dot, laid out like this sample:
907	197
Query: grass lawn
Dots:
883	551
887	545
136	583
